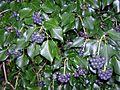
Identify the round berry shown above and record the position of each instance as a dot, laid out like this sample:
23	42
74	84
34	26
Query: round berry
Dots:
80	51
117	29
18	33
41	84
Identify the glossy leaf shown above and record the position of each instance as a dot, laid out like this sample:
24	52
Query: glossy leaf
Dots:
46	51
22	61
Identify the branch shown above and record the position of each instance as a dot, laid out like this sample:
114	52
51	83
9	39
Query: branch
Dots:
5	76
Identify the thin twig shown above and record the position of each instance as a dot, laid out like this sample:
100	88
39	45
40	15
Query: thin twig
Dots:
41	69
5	76
99	43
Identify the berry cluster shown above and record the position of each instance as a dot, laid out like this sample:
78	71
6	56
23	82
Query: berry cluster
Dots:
97	62
63	79
15	15
9	29
16	53
105	75
80	72
37	18
40	84
82	34
37	37
117	29
80	51
18	33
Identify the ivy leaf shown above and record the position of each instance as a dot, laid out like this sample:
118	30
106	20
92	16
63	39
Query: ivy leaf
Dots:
77	42
22	61
116	65
52	23
114	35
88	22
25	12
107	51
21	43
67	18
48	6
3	55
46	51
29	32
57	33
2	36
33	50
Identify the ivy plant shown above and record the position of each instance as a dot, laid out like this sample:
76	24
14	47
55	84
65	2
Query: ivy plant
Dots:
60	44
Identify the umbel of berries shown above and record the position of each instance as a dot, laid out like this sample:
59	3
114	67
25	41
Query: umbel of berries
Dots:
105	74
63	79
38	37
80	72
37	18
97	62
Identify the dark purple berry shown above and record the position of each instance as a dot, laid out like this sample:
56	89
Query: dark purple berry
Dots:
37	18
105	75
38	37
98	82
76	74
80	51
117	29
8	53
16	15
97	62
40	84
82	34
17	53
18	33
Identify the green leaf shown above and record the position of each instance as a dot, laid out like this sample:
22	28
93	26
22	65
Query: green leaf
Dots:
29	32
88	23
1	36
33	50
48	6
57	33
46	51
107	51
25	12
55	50
3	55
114	35
117	77
22	61
67	18
77	42
21	43
28	21
116	65
52	23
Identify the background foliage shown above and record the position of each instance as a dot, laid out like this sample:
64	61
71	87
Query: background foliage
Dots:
67	25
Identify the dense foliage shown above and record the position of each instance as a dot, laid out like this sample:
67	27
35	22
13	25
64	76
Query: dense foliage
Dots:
60	44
